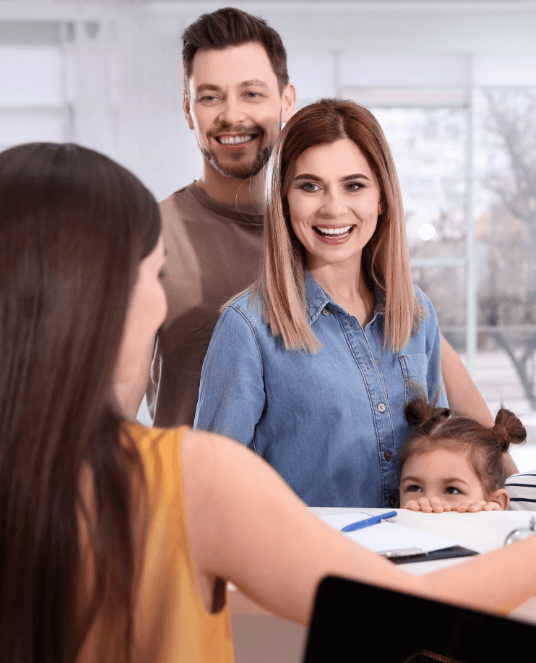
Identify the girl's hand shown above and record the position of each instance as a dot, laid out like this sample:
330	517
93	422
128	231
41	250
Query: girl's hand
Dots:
473	507
436	506
428	506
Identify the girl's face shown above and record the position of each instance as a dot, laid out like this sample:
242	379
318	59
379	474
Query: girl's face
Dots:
441	473
334	203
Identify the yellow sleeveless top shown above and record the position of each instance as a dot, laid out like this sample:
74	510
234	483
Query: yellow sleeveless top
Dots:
176	626
171	623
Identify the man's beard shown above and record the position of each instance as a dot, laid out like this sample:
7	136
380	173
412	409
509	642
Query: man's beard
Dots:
241	171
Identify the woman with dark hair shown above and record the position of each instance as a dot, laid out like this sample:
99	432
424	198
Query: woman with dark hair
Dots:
74	230
310	367
116	540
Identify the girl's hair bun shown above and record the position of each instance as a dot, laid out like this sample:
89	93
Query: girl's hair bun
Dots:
421	414
508	429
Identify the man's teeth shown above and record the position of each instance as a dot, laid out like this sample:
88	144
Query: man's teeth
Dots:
234	140
335	231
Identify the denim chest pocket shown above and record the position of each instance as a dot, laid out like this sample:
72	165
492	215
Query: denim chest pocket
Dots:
415	372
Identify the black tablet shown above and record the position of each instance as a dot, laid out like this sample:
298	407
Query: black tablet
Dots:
354	621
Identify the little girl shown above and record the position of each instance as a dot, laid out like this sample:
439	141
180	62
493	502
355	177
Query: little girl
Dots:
455	464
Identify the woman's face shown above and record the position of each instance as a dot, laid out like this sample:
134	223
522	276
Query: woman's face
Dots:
146	312
334	203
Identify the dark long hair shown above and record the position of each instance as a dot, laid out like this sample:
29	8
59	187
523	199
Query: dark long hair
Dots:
74	227
485	447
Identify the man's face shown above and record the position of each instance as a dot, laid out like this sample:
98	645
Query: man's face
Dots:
234	106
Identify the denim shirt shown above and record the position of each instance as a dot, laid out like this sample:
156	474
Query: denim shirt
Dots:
330	423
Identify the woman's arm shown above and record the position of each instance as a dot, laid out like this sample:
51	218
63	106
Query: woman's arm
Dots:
247	526
231	393
464	398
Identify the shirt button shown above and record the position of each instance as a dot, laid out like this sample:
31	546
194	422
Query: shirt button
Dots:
381	408
387	455
392	501
325	311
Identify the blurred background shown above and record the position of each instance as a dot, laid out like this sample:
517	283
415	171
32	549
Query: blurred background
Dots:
452	82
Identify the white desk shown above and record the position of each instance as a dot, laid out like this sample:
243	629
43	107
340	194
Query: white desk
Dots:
263	638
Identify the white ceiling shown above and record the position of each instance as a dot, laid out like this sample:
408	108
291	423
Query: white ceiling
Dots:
489	27
287	4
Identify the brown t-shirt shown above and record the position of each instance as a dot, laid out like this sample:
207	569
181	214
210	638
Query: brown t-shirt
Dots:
213	252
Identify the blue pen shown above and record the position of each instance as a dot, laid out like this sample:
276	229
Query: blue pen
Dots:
369	521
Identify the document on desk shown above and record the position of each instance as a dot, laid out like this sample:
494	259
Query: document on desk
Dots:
388	535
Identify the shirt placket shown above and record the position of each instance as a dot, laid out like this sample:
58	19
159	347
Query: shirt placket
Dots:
365	347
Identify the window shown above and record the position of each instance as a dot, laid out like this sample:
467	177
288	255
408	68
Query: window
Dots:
466	160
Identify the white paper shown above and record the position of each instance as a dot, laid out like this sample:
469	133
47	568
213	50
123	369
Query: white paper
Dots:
387	535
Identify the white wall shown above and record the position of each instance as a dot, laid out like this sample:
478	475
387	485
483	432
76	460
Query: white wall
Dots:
124	82
125	85
128	99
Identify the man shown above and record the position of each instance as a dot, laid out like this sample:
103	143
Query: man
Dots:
236	96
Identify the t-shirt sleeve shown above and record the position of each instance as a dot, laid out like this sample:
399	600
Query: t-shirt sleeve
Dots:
231	394
522	490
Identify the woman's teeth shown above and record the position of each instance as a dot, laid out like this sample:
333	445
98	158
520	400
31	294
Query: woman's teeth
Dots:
333	232
234	140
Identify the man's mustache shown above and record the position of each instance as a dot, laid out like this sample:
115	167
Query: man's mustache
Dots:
238	129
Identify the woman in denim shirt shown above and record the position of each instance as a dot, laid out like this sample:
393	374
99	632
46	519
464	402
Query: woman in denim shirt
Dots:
312	367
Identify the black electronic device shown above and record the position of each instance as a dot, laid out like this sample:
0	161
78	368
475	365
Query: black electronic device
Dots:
355	621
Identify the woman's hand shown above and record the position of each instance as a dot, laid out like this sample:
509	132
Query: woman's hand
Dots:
435	505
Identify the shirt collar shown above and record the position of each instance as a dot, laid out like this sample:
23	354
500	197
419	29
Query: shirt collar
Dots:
317	298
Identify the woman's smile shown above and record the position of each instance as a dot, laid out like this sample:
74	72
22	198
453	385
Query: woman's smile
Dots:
332	234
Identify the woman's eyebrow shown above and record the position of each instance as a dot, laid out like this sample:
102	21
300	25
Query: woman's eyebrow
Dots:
307	176
346	178
357	176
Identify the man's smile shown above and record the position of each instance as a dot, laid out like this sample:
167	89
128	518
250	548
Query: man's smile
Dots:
236	140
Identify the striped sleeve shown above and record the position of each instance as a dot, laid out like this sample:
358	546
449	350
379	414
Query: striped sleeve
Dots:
522	490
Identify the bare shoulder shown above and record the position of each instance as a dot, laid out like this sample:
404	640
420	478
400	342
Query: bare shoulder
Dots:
220	476
209	462
197	451
200	446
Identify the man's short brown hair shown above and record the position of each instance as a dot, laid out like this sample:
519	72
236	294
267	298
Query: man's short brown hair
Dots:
233	27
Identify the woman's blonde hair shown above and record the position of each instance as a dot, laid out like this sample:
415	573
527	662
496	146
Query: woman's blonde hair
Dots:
281	281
